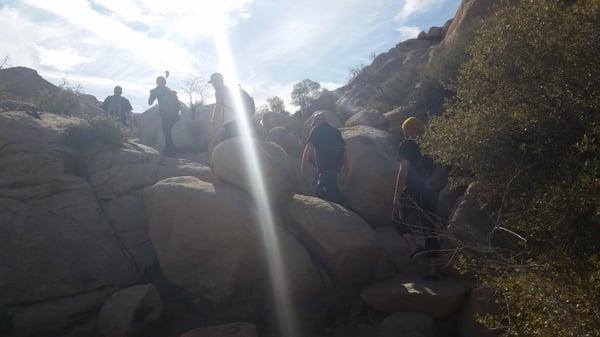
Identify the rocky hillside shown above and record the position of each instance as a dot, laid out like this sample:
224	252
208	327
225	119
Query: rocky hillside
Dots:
25	84
398	78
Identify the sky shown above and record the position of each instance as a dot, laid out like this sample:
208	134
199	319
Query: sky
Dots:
98	44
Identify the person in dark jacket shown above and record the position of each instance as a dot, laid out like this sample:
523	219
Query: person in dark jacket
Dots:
415	205
118	106
169	107
327	147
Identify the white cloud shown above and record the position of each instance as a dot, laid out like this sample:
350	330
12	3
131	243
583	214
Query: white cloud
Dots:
179	18
408	32
411	7
62	59
130	42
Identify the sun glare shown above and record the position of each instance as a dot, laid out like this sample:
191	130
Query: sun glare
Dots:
279	285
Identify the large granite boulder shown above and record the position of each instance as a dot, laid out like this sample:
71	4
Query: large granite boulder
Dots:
289	142
341	240
229	164
56	243
407	324
189	135
72	222
306	180
368	117
118	179
271	120
369	188
398	253
468	16
128	311
439	299
208	239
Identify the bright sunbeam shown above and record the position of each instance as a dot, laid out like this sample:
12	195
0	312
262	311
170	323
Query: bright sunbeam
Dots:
279	284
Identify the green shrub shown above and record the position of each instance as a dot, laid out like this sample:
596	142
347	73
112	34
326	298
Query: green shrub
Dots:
64	101
99	130
526	120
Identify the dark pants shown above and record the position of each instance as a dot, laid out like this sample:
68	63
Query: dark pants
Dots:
418	215
167	121
327	187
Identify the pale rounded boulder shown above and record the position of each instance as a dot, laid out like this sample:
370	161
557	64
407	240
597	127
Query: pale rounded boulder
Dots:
288	141
208	241
368	117
407	324
126	312
271	120
229	165
369	189
343	242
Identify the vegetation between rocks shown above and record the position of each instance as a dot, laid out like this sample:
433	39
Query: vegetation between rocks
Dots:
98	130
526	121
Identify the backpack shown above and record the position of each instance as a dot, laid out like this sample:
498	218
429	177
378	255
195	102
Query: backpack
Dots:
169	102
249	105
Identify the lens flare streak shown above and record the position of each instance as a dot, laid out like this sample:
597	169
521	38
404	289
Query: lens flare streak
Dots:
279	283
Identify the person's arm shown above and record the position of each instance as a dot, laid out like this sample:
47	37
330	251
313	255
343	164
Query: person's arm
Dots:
128	106
308	153
218	109
152	97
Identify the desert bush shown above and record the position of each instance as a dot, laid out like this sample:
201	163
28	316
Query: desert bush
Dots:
100	130
62	101
526	120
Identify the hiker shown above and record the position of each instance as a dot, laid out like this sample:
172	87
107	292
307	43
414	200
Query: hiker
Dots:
326	145
224	114
415	204
118	106
169	106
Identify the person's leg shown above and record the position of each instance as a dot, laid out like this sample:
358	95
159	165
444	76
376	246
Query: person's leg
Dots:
334	191
329	187
404	218
167	127
430	230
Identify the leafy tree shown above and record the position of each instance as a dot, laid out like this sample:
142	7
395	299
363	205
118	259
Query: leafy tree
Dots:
276	104
526	121
304	92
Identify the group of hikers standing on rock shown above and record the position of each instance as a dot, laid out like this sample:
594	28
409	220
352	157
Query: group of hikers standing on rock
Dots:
414	205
